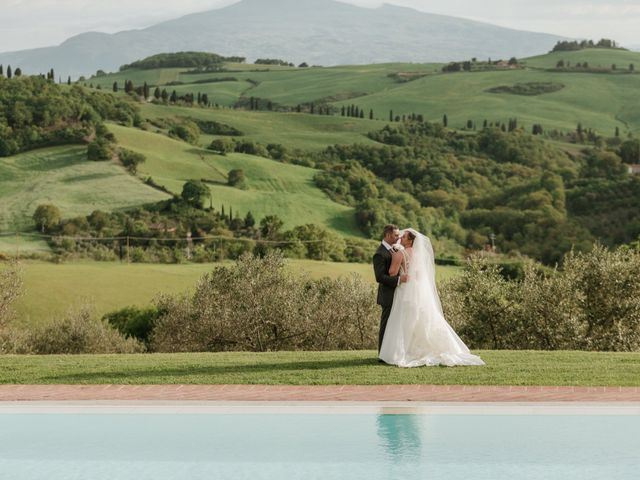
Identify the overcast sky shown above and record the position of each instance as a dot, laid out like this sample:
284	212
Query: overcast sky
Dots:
35	23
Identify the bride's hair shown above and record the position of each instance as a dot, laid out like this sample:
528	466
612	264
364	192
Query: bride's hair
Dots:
412	236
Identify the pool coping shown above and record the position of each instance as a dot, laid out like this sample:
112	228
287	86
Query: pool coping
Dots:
317	393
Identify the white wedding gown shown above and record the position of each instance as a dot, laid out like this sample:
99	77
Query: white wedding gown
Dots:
417	333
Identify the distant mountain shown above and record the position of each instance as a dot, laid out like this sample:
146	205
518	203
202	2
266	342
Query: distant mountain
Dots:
324	32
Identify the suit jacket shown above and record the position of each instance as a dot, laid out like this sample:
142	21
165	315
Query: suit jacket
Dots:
386	283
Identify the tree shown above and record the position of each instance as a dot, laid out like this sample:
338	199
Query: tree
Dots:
222	146
236	177
9	72
617	132
445	120
270	227
630	151
249	220
18	72
115	87
1	71
194	192
156	93
47	217
303	65
560	64
391	115
370	114
145	90
632	67
343	111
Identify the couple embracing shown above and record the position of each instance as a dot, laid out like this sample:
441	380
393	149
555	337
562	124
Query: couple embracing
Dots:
413	330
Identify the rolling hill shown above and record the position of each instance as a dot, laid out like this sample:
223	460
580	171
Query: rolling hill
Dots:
322	32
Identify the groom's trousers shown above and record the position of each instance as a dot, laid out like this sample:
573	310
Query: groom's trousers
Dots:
386	311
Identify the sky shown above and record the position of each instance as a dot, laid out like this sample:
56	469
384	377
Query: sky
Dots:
36	23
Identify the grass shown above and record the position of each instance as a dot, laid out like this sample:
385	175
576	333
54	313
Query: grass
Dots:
293	130
271	187
51	289
64	177
326	368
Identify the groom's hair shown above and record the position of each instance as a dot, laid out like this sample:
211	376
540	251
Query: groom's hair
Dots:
389	229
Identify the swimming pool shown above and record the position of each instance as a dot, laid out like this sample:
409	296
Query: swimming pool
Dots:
202	441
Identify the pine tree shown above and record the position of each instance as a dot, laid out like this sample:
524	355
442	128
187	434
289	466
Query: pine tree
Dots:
164	95
445	120
249	220
18	72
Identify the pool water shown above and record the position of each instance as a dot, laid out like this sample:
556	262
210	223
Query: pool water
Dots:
324	446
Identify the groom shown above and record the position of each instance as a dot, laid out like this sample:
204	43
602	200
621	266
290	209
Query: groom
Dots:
386	283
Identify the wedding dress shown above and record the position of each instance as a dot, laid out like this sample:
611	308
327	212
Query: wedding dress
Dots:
417	333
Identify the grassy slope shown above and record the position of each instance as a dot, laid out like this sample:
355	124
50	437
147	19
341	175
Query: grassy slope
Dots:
599	101
294	130
64	177
327	368
272	187
51	289
596	57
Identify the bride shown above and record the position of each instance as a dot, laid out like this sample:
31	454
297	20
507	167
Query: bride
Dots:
417	333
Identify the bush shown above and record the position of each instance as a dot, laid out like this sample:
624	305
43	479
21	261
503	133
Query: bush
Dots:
99	150
592	303
133	321
130	159
187	131
10	290
79	332
259	305
236	178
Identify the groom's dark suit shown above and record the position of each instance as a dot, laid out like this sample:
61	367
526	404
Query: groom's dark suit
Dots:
386	286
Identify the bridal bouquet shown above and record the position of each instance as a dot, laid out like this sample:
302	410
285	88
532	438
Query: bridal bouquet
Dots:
397	247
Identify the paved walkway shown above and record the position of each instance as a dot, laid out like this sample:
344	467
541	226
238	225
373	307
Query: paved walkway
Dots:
361	393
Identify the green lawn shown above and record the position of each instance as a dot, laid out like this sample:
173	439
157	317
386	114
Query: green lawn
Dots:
327	368
51	289
272	187
64	177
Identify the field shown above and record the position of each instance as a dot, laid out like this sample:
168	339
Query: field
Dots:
51	289
293	130
271	187
63	176
322	368
602	101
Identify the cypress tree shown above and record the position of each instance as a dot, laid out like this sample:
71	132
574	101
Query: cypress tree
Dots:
156	93
361	113
445	120
205	99
342	111
9	72
371	114
391	115
164	95
617	131
115	87
1	71
312	109
69	80
199	98
174	97
145	90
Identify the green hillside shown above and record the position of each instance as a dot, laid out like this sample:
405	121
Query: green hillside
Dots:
63	176
272	187
595	57
294	130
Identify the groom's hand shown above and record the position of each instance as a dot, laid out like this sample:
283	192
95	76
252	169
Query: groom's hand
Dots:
404	278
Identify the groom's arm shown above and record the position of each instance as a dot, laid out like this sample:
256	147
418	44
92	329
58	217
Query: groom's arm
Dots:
382	276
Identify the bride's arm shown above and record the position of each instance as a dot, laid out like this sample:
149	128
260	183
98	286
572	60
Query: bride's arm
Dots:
396	261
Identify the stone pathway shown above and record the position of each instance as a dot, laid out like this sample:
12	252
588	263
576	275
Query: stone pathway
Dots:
357	393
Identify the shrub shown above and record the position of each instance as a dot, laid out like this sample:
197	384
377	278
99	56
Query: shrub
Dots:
259	305
236	178
79	332
99	150
133	321
10	290
187	131
592	303
222	146
130	159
